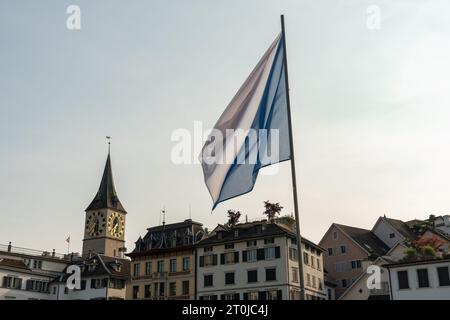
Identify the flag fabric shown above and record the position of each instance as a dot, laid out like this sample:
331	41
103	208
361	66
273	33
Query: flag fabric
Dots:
259	106
68	239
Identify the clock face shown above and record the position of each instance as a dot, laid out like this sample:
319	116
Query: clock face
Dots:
95	224
116	225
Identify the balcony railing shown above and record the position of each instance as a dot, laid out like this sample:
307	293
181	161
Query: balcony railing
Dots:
32	252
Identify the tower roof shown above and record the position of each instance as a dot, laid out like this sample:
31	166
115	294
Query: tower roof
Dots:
106	197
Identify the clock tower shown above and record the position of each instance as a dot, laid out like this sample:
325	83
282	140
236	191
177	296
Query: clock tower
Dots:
104	227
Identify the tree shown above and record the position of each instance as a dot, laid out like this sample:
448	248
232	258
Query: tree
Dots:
233	217
434	242
272	210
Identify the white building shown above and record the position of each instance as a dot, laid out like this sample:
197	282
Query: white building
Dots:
256	261
420	280
27	274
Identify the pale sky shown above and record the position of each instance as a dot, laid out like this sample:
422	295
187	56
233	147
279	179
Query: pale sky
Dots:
370	110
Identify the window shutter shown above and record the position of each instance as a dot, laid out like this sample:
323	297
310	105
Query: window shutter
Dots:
4	282
244	256
202	261
277	252
19	283
92	283
262	295
245	295
215	260
236	296
260	254
222	258
28	285
279	295
236	257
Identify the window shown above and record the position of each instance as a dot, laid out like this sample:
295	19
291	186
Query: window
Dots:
308	280
294	274
229	296
294	241
318	264
113	283
344	283
208	249
135	292
269	241
251	295
147	291
313	281
269	253
403	281
312	261
293	255
236	233
229	246
330	251
208	280
392	235
343	249
356	264
208	260
173	265
37	264
422	278
185	287
251	243
161	266
229	278
252	276
99	283
251	255
229	257
443	275
271	274
162	289
335	235
37	286
305	258
172	288
186	264
148	268
272	295
136	269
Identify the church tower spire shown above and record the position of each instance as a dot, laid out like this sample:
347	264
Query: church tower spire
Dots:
105	219
106	197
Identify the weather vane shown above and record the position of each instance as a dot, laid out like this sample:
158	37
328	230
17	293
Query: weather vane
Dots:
109	143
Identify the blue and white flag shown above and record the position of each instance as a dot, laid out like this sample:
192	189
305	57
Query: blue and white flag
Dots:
252	132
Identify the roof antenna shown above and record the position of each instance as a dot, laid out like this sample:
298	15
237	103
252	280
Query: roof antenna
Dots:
163	211
109	143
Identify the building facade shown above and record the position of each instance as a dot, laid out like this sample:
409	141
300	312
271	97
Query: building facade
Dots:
163	262
348	251
420	280
256	261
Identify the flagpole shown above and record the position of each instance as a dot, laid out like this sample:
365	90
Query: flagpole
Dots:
294	180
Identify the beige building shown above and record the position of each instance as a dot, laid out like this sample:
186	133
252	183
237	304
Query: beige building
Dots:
163	262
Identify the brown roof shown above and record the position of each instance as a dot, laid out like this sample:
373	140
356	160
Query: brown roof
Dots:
402	228
365	239
13	263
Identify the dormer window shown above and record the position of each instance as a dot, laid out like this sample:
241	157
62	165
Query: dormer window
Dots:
91	267
335	235
236	233
392	235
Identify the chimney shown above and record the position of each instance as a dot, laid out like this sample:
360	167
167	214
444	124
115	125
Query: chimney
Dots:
53	253
9	247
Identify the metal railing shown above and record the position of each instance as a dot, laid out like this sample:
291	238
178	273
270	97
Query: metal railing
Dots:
32	252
